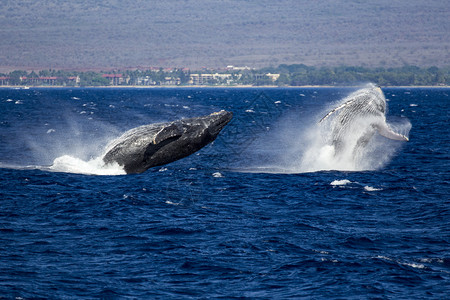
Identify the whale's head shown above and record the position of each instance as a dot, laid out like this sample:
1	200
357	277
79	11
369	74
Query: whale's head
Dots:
207	127
378	100
215	122
369	101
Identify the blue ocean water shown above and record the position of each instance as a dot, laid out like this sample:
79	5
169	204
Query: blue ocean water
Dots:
253	215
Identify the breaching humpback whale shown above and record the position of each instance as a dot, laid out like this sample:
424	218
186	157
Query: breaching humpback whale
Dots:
362	114
157	144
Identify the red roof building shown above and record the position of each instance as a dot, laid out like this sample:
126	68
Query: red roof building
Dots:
115	79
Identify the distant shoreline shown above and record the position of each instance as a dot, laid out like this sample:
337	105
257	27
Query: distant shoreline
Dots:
295	76
24	87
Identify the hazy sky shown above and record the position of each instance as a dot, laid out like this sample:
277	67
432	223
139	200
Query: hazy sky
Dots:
216	33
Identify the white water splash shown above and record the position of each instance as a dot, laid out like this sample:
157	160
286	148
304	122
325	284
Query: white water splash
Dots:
71	164
319	154
311	147
96	166
340	182
217	175
371	189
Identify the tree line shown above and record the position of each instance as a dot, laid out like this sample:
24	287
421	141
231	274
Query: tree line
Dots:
298	75
289	75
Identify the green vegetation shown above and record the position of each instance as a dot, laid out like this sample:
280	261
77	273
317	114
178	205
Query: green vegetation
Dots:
283	75
92	79
296	75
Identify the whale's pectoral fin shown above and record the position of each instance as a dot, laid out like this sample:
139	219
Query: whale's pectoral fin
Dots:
165	136
174	130
387	132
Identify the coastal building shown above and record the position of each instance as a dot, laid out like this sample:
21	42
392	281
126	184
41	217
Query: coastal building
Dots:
171	81
116	79
273	77
233	68
270	76
4	80
145	80
74	80
43	81
47	80
205	79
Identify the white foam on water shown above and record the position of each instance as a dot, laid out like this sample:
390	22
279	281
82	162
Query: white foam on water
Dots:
340	182
371	189
96	166
172	203
432	260
217	175
408	264
70	147
414	265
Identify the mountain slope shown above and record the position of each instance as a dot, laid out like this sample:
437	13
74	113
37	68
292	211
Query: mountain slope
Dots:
195	33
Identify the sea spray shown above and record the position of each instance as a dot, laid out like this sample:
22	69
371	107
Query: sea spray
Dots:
96	166
343	136
348	139
81	154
